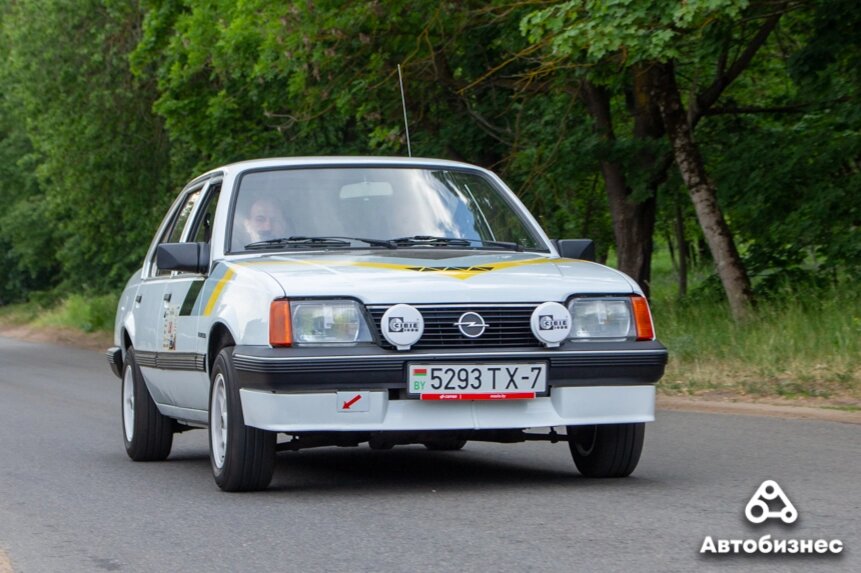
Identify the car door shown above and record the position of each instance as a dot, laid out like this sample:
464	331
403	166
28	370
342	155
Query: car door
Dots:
183	351
153	313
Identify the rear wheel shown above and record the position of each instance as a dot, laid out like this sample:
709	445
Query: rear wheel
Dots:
242	457
147	434
607	450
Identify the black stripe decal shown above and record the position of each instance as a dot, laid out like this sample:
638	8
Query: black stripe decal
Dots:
191	298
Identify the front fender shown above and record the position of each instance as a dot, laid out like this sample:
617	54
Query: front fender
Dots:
239	297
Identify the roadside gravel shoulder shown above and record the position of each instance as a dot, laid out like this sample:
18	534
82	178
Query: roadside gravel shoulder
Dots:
59	335
822	411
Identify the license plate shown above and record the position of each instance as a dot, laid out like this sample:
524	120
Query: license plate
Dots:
477	381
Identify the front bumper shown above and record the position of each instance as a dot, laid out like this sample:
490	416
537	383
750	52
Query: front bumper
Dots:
570	406
294	389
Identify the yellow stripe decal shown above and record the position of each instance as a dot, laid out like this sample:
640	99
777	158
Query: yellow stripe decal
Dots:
216	292
455	273
461	273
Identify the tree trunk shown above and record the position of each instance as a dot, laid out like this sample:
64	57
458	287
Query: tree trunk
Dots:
633	221
702	191
682	242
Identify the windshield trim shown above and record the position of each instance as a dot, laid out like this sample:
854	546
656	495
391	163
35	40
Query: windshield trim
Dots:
237	182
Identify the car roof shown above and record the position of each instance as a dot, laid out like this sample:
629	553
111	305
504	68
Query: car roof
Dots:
339	161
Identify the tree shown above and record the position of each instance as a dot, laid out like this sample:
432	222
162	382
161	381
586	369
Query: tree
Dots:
256	78
101	154
634	46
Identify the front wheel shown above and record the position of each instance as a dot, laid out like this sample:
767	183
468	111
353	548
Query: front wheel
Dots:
607	450
147	433
242	457
445	444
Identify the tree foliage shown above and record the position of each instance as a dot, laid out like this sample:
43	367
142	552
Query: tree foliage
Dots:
109	105
91	151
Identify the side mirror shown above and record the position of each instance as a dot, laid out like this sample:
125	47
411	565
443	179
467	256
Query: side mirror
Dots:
583	249
186	257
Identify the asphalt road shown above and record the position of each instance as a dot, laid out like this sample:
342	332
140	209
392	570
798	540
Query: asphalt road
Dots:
70	499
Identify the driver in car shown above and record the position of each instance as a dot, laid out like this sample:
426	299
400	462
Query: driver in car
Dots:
264	221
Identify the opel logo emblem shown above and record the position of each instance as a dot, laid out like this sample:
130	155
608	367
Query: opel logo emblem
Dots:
471	324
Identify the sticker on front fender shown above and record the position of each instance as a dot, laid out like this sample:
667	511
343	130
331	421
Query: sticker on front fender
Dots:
500	381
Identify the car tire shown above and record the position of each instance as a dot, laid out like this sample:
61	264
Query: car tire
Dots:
606	450
445	445
380	443
147	433
242	457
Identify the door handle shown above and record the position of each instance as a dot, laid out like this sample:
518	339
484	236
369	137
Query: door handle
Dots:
138	298
167	297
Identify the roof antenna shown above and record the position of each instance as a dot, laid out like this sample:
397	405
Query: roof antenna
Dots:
404	105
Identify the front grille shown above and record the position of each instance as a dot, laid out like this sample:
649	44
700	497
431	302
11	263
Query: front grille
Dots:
507	326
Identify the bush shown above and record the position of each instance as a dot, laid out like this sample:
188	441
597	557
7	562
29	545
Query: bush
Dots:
87	313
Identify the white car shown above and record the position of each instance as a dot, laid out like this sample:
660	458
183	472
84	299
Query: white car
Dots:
344	300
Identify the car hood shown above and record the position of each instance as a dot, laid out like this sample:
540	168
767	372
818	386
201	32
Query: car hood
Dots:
435	276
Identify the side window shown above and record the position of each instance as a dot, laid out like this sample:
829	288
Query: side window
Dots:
182	217
202	230
176	228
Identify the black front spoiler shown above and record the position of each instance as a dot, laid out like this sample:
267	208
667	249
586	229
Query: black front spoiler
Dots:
114	354
370	367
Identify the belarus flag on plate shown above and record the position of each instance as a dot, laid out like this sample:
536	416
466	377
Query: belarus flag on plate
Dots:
420	372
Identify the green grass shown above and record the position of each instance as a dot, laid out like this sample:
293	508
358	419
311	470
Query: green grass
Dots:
89	314
845	408
804	343
17	314
85	313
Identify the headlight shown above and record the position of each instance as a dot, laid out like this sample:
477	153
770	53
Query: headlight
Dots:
327	322
601	318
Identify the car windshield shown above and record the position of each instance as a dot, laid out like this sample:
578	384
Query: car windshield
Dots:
404	207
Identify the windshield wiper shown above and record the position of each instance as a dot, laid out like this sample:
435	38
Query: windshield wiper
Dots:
297	241
455	242
501	244
300	241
